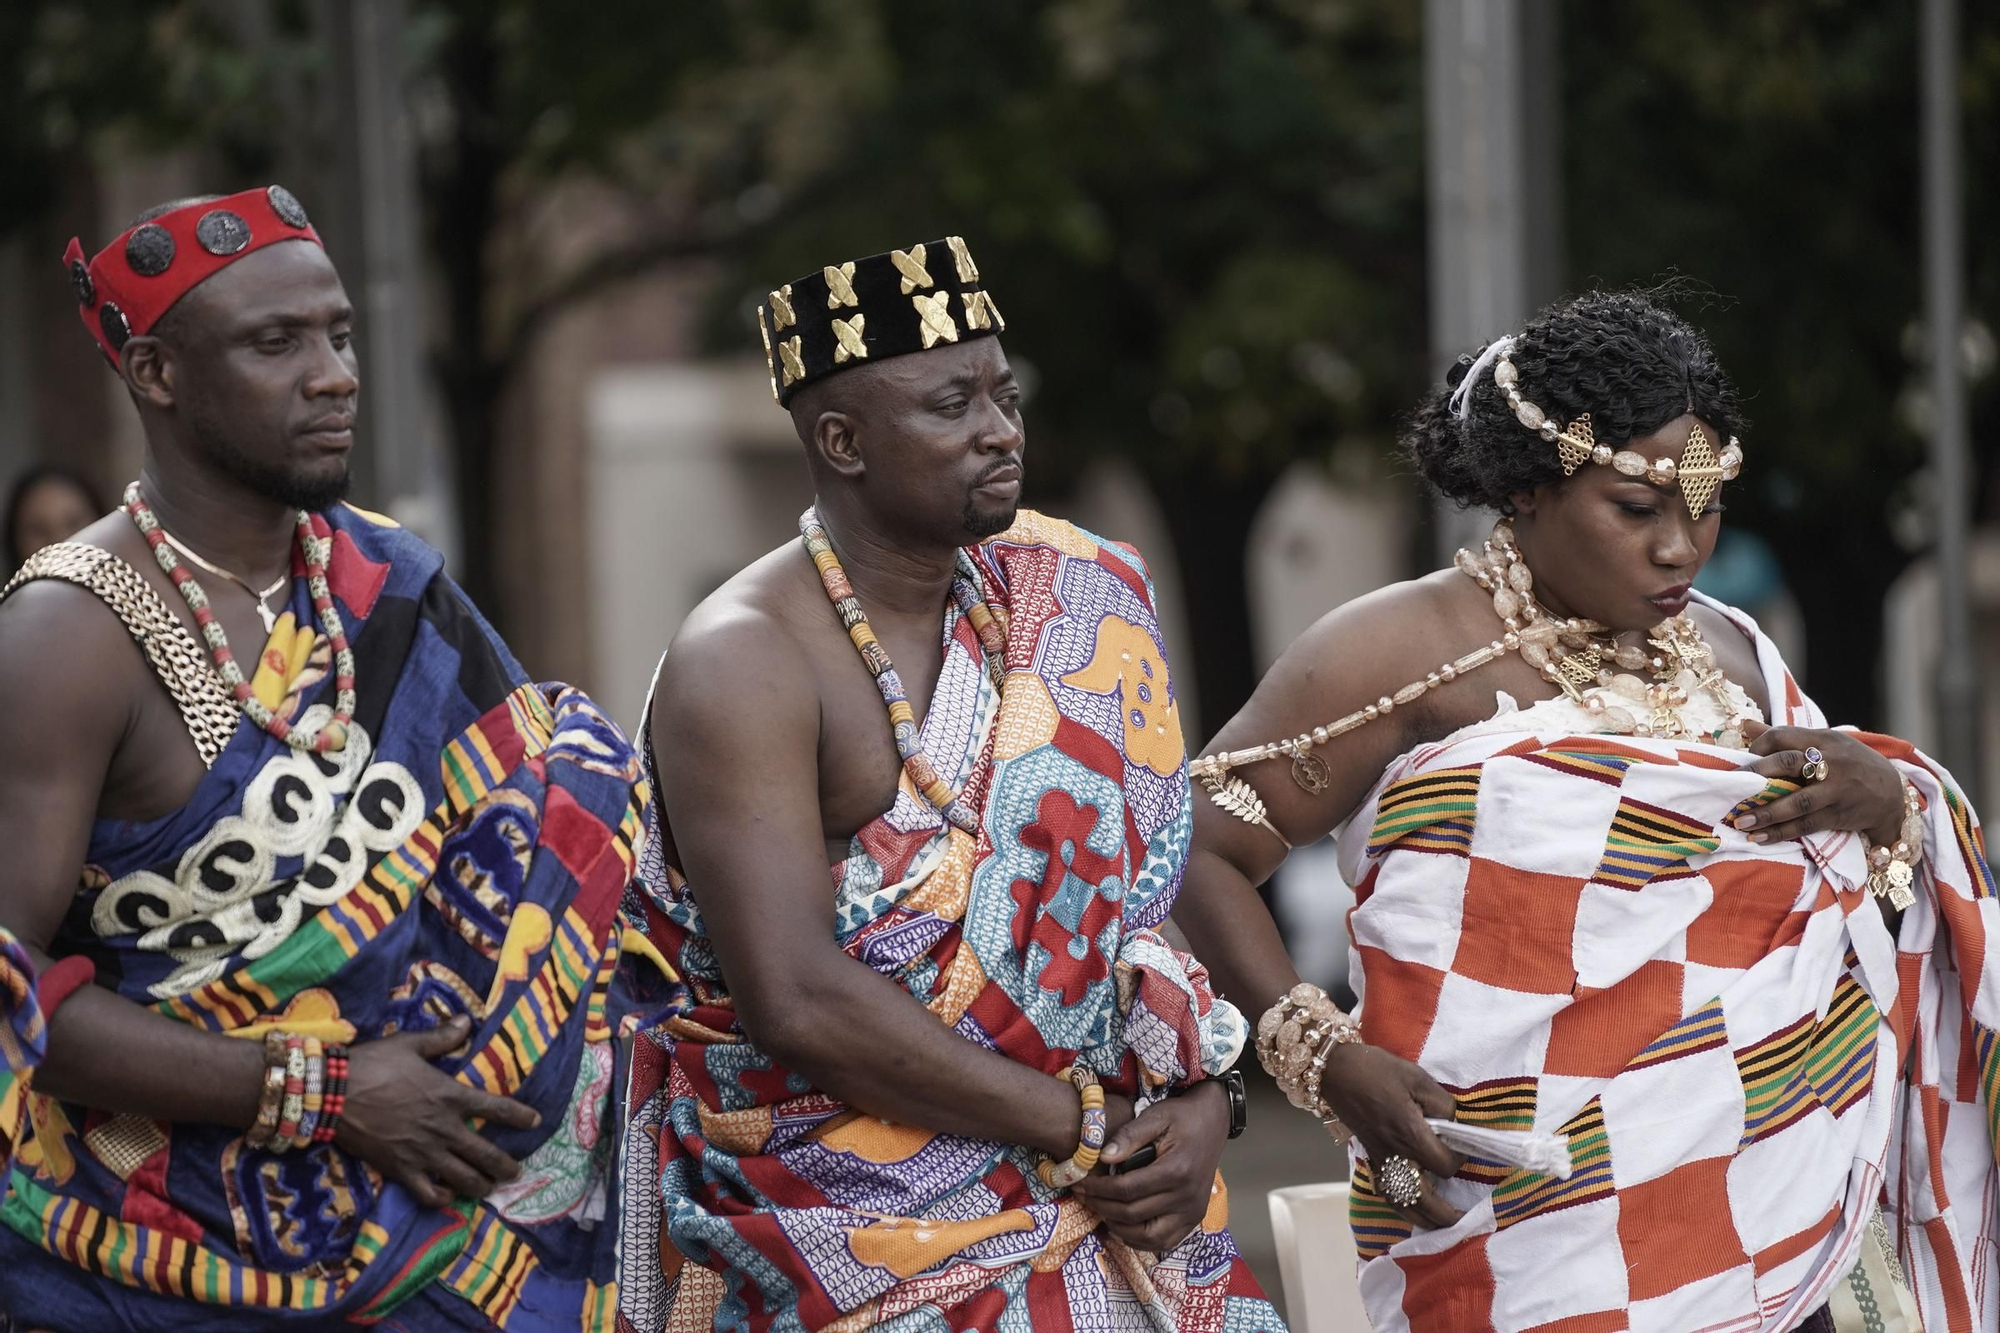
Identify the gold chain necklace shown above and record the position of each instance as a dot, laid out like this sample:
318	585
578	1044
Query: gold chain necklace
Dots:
264	612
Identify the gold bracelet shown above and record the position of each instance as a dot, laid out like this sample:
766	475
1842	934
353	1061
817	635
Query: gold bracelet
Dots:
1892	870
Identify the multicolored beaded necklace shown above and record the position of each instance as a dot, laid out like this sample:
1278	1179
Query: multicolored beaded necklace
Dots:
330	736
986	624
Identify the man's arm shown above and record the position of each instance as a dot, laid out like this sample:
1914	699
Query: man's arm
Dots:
736	726
71	682
76	686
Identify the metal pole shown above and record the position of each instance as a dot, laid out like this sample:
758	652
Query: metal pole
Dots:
412	476
1959	721
1494	150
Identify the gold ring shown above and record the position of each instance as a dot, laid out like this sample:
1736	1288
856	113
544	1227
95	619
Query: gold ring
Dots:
1815	768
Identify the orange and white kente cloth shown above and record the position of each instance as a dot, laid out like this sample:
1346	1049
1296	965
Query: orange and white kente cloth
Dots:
1567	931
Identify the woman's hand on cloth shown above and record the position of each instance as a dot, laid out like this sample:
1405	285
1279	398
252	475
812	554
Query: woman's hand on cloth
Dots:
408	1119
1384	1099
1157	1206
1862	792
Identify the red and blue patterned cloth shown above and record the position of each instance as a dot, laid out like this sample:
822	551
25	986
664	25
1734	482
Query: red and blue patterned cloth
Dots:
753	1200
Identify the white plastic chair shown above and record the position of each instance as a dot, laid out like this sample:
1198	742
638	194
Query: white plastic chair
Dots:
1316	1259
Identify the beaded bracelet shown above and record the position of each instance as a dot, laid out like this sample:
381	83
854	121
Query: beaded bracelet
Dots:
271	1097
303	1094
335	1100
1892	870
1295	1037
295	1091
1090	1144
314	1096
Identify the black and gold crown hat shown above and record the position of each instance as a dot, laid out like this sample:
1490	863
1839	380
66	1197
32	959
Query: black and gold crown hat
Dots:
871	309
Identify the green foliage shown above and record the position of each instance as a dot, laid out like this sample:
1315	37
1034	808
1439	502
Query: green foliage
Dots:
1203	221
1771	153
159	73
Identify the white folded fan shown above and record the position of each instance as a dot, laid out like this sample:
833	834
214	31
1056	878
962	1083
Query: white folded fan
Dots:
1544	1154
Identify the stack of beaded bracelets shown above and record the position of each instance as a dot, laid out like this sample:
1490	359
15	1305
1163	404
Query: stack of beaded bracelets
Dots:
1892	871
304	1093
1294	1038
1061	1175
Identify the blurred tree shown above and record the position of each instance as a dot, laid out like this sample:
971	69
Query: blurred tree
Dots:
163	74
1770	151
1203	218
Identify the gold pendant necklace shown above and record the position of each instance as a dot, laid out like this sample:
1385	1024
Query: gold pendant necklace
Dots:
264	613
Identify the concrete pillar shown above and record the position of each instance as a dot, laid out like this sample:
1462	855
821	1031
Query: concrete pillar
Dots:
369	202
1492	124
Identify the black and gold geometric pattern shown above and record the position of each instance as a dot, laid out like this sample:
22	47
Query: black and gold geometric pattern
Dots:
870	309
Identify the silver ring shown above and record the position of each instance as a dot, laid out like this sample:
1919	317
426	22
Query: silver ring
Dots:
1401	1181
1814	768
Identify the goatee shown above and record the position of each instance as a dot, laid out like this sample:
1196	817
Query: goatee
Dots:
984	523
285	481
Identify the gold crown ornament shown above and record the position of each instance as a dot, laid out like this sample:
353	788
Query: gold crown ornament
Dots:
1700	470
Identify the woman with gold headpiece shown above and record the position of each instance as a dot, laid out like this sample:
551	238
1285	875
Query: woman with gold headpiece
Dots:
1617	934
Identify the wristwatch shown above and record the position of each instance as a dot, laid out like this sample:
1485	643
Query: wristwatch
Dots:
1239	1102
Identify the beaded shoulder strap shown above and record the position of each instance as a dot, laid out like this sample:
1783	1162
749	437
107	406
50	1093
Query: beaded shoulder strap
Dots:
206	708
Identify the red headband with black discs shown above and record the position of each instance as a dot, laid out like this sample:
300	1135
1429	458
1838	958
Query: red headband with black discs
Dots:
123	291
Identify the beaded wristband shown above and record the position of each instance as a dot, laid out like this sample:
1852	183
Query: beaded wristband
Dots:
295	1092
1294	1038
315	1093
335	1100
1090	1144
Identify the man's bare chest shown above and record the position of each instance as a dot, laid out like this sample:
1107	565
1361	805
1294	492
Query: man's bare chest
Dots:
859	764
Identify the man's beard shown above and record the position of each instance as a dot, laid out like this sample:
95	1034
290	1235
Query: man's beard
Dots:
270	478
984	523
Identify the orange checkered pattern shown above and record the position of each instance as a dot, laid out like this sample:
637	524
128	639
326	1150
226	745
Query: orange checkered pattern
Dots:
1716	1027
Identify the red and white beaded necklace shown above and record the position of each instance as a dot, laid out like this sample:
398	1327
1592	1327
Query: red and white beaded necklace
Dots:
333	734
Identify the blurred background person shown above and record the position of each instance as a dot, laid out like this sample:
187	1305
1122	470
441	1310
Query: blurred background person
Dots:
48	503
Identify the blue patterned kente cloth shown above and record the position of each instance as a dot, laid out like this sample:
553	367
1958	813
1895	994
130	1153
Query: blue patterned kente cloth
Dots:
464	854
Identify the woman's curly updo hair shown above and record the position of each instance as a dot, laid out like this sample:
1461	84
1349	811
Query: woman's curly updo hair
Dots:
1631	364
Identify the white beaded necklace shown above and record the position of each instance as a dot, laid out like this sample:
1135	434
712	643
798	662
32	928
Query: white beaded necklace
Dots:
1570	653
1680	664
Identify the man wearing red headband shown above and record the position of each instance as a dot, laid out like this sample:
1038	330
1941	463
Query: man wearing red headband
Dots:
349	898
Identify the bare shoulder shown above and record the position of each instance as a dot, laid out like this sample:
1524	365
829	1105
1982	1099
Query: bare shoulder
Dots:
71	672
1391	634
116	533
740	644
53	629
1723	634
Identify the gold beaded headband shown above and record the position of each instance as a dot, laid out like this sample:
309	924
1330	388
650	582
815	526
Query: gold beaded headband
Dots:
1699	472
